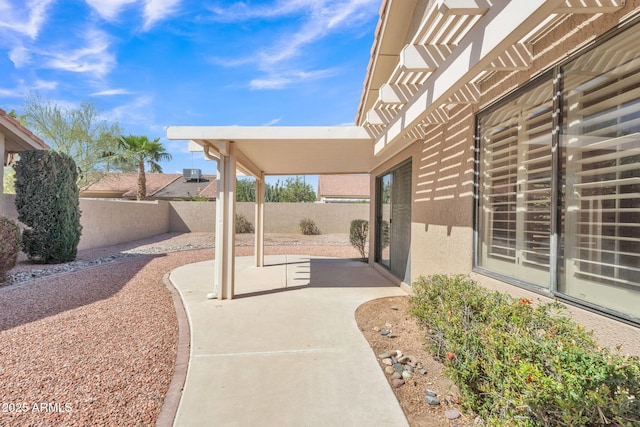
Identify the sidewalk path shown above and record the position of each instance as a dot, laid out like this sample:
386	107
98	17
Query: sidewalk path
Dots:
286	351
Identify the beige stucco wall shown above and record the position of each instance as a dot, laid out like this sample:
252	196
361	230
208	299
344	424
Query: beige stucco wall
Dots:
443	176
278	217
329	217
8	206
188	217
107	222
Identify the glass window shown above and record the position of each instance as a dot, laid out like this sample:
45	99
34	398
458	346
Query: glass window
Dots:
600	173
515	186
591	253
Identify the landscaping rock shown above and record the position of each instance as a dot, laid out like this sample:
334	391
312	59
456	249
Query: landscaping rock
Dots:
389	370
387	361
398	367
387	354
385	332
397	383
396	376
406	375
452	414
432	400
404	359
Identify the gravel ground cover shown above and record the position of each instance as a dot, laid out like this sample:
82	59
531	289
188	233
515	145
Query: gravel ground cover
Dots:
95	343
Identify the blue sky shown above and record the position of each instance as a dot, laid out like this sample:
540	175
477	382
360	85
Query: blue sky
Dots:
149	64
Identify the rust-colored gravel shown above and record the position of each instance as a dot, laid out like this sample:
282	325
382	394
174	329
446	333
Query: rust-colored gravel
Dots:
93	347
98	346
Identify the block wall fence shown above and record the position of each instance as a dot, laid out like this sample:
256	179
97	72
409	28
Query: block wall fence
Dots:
109	222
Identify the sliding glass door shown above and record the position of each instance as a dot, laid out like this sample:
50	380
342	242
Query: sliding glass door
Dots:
393	220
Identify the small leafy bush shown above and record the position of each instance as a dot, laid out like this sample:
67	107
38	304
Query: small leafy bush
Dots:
308	227
10	244
243	226
48	205
520	364
197	198
358	233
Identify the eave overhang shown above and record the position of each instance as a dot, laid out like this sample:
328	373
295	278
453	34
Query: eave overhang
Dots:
456	44
17	138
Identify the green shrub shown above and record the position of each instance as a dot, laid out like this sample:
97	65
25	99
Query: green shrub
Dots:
10	243
517	364
243	225
358	233
308	227
48	205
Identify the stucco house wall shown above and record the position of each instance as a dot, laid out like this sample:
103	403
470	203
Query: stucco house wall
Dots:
442	208
443	162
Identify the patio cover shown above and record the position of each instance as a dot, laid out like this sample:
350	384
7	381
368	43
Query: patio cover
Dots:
262	151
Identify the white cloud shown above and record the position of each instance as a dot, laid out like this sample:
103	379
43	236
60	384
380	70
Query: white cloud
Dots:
137	112
273	122
153	11
23	89
275	82
111	92
26	19
320	19
20	56
285	79
109	9
157	10
94	58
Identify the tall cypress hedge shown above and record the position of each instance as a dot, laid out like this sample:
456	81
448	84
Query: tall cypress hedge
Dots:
47	201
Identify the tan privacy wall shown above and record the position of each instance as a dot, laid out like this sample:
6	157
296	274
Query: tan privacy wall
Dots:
8	206
278	217
108	222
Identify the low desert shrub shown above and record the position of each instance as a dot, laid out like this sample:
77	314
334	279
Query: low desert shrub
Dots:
243	226
522	364
10	244
358	233
308	227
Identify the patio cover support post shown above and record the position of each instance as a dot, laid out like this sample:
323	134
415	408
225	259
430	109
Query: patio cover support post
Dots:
225	223
259	221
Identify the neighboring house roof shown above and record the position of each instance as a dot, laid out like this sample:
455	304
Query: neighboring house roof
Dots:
211	190
123	185
17	138
343	187
183	189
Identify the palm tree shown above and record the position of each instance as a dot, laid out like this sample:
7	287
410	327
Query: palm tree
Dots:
136	151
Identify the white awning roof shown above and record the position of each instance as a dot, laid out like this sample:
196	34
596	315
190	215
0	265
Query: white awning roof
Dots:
284	150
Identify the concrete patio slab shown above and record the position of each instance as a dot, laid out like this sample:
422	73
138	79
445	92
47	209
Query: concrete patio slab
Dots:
286	351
